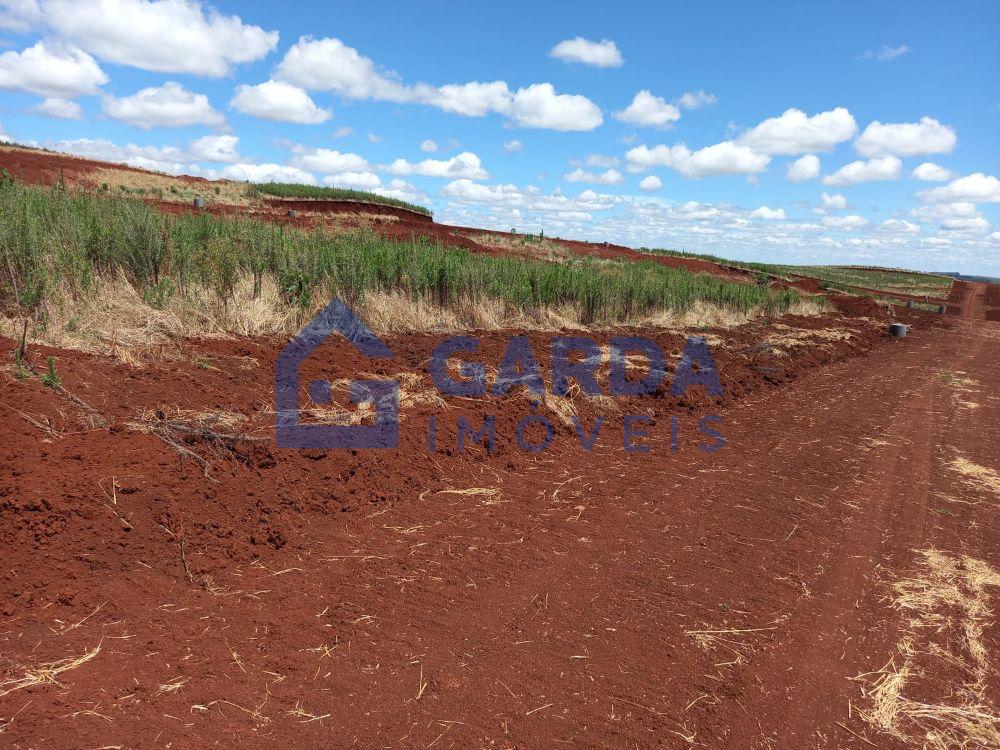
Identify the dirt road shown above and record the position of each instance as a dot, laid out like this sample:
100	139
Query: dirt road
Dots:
736	599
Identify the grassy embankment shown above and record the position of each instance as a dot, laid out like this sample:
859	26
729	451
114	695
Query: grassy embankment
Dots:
843	277
88	269
309	192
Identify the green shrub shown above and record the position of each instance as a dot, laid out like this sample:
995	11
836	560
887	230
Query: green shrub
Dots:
50	377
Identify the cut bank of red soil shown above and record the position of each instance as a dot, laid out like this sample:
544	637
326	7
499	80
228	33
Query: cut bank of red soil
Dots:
343	598
36	167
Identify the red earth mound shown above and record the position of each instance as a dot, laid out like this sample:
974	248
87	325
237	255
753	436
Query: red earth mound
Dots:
36	167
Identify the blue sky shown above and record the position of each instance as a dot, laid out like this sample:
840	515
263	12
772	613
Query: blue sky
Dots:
833	132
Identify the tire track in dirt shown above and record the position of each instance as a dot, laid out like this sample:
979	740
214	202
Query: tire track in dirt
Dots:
668	550
808	689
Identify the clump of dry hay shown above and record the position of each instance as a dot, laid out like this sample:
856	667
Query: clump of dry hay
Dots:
46	674
942	653
981	477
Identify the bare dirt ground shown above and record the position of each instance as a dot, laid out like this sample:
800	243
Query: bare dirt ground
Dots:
736	599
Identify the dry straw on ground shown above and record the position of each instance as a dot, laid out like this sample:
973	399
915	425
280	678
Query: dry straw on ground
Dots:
46	674
980	477
942	657
114	318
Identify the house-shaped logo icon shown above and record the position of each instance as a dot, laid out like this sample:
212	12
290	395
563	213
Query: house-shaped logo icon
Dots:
384	394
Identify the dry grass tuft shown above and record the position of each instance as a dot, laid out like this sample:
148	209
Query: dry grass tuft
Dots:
522	244
46	674
173	189
981	477
941	654
114	318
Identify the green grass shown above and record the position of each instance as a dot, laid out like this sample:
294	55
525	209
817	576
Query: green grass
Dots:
880	279
59	239
294	190
840	277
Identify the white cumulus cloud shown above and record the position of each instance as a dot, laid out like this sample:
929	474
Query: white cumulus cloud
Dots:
170	105
649	183
473	99
62	109
330	65
512	146
267	173
973	188
429	146
648	110
602	54
464	165
51	69
168	36
722	158
931	172
770	214
357	180
795	132
884	168
845	222
803	169
529	198
608	177
900	226
539	106
327	161
280	101
906	138
833	202
216	148
19	15
169	159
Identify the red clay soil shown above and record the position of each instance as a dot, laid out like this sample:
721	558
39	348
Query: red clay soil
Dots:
259	597
36	167
347	206
805	283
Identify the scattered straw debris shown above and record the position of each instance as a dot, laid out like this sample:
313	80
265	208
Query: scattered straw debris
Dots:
981	477
490	495
941	657
304	716
168	688
730	639
46	674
